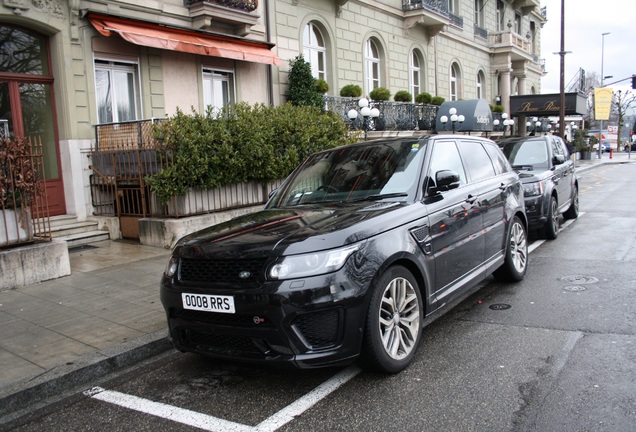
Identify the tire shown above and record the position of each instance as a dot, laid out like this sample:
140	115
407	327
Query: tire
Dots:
551	227
516	261
573	211
393	327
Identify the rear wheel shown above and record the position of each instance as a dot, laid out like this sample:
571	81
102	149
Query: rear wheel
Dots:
551	228
516	262
394	322
573	211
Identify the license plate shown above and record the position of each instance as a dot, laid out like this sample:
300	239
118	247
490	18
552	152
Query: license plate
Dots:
208	303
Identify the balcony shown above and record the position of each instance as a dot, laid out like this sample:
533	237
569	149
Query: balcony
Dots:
237	14
432	14
509	42
526	6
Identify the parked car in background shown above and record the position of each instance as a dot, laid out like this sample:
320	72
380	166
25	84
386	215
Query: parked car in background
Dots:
350	254
605	148
550	184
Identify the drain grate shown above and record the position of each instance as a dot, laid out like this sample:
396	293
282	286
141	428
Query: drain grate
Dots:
499	306
574	288
579	279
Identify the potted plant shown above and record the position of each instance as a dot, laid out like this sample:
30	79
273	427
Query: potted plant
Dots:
351	90
584	143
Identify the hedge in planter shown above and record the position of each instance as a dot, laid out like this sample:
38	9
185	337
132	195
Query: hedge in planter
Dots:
241	143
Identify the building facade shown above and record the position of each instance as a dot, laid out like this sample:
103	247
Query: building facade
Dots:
67	66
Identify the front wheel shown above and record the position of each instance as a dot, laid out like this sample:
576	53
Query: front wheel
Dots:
393	326
573	211
516	261
551	227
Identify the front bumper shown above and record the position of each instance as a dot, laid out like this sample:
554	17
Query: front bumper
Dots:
313	322
536	211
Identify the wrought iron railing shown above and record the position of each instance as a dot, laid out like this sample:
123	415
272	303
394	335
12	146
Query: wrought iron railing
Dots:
24	214
246	5
393	115
456	20
438	6
132	134
481	32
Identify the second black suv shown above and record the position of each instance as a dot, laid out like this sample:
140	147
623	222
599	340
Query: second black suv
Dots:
549	181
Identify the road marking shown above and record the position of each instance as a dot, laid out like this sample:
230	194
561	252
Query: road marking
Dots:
535	244
215	424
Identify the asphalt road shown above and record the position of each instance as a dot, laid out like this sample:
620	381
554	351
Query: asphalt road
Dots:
556	352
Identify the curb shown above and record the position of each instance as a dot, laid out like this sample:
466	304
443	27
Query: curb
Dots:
21	397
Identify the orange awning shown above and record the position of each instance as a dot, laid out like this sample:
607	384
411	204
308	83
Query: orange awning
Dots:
156	36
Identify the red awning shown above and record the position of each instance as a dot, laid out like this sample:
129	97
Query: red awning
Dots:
156	36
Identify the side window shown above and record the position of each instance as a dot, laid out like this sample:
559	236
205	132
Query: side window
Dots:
477	161
556	147
562	148
446	157
218	88
116	90
499	161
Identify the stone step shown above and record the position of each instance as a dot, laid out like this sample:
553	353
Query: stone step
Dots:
78	239
76	228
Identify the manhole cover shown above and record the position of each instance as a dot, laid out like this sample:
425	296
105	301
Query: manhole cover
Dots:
499	306
575	288
579	279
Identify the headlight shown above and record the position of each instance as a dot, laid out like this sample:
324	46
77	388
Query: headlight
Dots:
533	189
171	268
296	266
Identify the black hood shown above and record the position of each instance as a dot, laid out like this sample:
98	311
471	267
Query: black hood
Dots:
292	231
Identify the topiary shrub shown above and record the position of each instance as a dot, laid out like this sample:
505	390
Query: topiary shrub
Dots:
403	96
351	90
302	90
322	86
380	94
240	143
497	108
424	98
437	100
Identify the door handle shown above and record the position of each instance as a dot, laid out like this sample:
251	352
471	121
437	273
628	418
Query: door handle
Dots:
471	199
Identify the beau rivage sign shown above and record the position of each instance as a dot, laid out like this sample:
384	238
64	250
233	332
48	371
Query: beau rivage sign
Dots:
547	105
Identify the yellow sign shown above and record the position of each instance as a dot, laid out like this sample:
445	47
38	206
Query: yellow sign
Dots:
602	103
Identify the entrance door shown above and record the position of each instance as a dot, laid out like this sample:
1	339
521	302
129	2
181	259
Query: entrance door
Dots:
27	105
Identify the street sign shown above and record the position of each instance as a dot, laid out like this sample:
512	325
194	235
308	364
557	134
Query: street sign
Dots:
602	103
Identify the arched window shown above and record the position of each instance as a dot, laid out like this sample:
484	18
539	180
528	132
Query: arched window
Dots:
372	65
416	73
315	51
454	82
480	85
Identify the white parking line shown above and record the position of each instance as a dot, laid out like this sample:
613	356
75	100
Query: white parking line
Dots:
535	244
215	424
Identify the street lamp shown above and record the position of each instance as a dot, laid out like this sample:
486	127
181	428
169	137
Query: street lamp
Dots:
366	112
600	133
534	125
454	118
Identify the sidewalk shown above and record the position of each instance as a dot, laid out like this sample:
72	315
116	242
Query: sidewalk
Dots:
68	332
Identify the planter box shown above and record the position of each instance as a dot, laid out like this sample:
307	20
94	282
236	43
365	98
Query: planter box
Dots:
15	227
197	202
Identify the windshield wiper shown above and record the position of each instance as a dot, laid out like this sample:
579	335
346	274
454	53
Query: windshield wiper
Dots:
523	167
377	197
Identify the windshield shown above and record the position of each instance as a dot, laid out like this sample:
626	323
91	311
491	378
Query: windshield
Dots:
527	154
381	170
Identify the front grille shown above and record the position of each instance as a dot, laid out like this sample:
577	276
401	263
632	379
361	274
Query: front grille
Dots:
319	329
221	271
221	344
233	320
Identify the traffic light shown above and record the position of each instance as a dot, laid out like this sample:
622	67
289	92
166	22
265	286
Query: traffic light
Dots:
634	81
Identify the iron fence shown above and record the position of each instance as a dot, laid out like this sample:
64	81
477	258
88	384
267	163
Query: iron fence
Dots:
393	115
24	214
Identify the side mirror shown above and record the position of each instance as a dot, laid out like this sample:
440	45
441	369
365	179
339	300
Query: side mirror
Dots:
558	159
445	180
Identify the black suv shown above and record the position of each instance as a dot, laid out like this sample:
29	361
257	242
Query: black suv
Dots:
350	254
549	181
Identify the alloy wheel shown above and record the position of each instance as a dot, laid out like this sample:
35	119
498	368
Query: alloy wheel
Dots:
399	318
